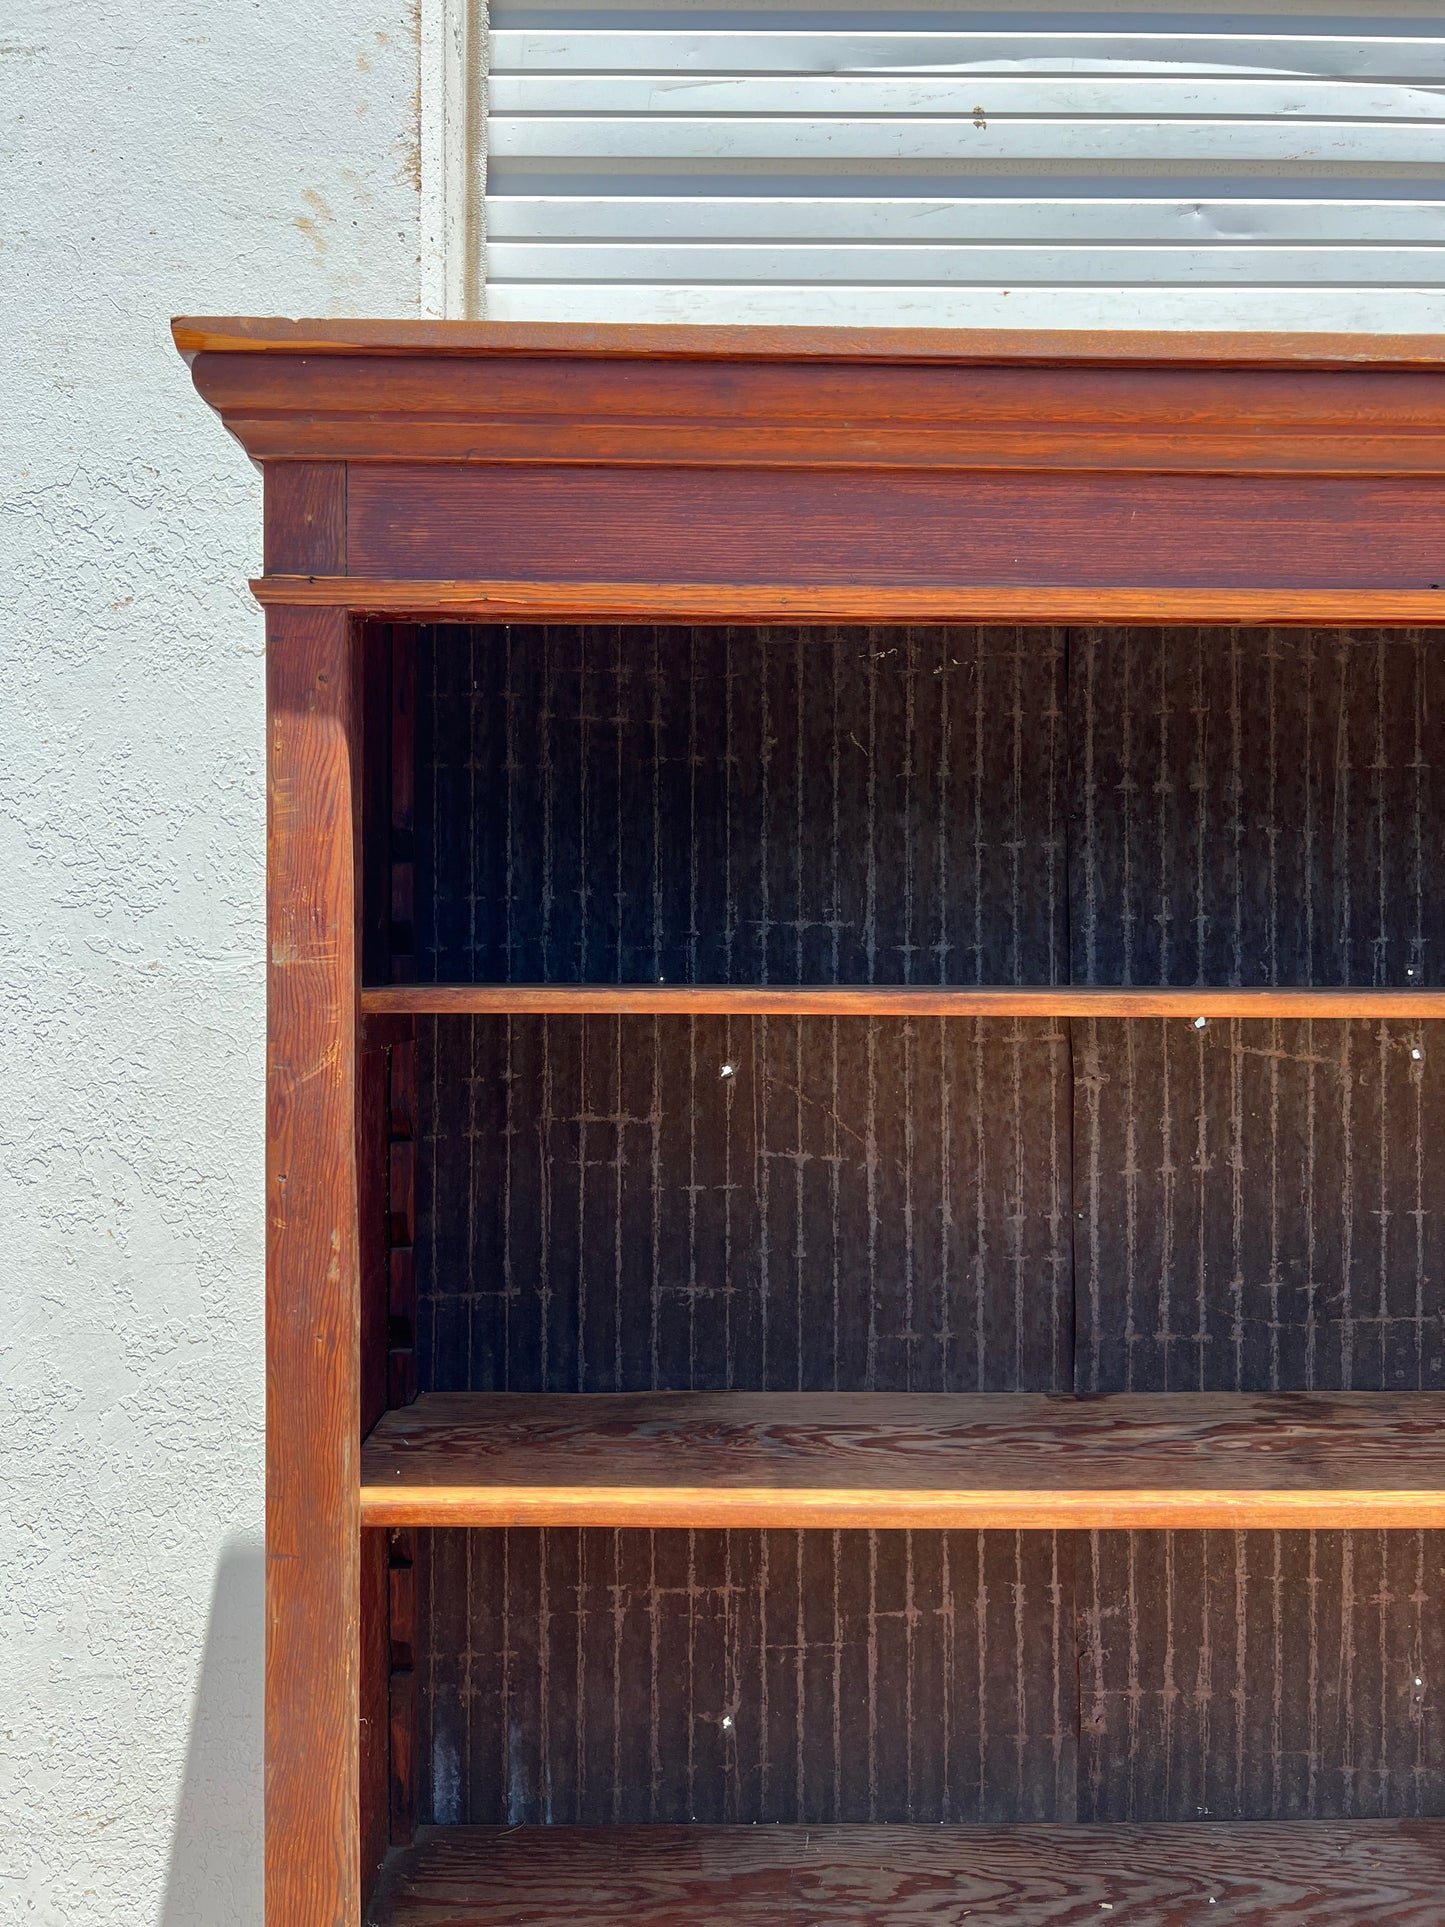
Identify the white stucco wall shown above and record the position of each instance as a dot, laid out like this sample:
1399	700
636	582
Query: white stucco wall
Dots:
158	156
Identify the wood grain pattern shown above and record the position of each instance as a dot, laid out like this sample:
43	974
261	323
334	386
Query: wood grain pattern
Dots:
893	1000
492	599
759	1674
305	518
888	416
312	1274
1235	1876
272	336
987	1460
910	529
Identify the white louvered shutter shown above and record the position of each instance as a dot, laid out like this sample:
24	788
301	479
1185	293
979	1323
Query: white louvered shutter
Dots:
1152	167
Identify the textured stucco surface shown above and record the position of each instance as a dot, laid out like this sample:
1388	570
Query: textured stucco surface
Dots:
155	156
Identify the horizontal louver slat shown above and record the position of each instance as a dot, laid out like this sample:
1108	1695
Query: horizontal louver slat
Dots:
1180	169
1342	56
967	99
1085	222
724	261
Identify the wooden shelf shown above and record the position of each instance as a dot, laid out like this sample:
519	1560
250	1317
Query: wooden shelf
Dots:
889	1000
1249	1874
972	1460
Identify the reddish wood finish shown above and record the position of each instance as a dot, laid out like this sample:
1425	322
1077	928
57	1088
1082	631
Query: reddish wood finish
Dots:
1243	1875
499	601
376	1836
770	464
662	342
313	1269
890	1459
891	1000
883	412
305	518
908	530
673	475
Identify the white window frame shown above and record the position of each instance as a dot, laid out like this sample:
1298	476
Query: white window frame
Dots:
453	116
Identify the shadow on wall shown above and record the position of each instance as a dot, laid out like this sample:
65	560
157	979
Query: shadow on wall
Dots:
215	1874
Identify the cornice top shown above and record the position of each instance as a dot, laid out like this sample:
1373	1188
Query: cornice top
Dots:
488	393
978	347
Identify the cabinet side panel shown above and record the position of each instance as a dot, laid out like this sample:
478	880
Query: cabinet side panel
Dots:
313	1275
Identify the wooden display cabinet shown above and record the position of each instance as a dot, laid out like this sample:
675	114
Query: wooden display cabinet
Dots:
856	1257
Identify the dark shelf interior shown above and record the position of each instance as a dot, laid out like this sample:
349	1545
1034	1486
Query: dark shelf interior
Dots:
950	1205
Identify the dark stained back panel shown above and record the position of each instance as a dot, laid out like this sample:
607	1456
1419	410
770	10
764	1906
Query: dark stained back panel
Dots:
1250	1675
741	805
1256	806
786	1204
598	1676
1261	1206
937	1206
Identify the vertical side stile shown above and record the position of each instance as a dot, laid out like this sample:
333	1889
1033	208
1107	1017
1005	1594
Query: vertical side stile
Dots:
313	1874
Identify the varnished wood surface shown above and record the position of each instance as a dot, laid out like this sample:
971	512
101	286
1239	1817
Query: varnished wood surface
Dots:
305	518
986	1460
887	415
313	1296
1272	436
276	335
818	603
891	1000
873	528
1307	1875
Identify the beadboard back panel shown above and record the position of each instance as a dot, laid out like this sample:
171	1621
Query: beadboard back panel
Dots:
903	1204
802	1677
1259	1206
774	1204
782	806
611	1676
1256	806
1258	1675
929	805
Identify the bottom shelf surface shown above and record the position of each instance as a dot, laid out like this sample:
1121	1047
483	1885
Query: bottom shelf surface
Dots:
1251	1874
